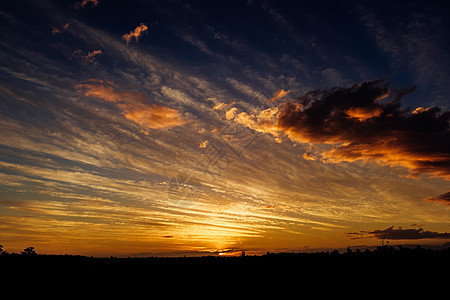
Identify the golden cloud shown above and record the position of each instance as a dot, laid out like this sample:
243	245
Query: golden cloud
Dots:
219	106
230	113
154	116
134	105
261	121
203	144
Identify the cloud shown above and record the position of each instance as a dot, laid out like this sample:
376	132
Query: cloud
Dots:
197	43
84	3
280	94
230	114
333	76
60	30
417	44
136	34
154	116
364	121
90	58
443	198
134	105
261	121
246	90
392	233
219	106
309	156
203	144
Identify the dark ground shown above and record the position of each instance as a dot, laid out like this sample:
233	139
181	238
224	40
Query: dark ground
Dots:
401	272
386	255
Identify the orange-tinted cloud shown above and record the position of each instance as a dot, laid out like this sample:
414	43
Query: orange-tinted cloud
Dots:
360	126
280	94
362	114
84	3
262	121
134	105
309	156
90	58
56	31
153	116
135	33
60	30
203	144
230	114
219	106
443	198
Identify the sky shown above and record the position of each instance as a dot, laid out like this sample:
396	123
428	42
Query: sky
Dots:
169	128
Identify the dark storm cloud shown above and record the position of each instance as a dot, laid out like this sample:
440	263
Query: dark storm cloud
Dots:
366	121
392	233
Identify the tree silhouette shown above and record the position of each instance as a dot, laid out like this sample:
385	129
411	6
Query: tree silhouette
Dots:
29	251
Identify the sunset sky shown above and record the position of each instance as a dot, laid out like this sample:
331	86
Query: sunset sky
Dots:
168	128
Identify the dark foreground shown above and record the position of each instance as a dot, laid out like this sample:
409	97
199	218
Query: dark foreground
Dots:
404	270
381	256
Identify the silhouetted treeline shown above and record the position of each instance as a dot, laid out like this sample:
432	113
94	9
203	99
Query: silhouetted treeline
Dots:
383	266
381	253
